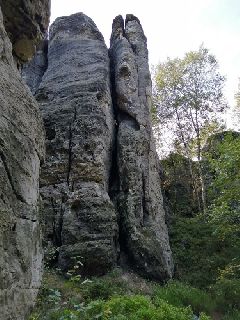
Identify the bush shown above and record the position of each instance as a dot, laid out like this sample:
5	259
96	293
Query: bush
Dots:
234	315
141	308
102	288
227	292
182	295
198	252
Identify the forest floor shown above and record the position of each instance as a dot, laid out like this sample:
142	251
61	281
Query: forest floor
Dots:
122	295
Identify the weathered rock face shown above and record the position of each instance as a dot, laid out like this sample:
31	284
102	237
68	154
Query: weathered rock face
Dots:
33	71
21	151
26	22
143	232
101	172
75	101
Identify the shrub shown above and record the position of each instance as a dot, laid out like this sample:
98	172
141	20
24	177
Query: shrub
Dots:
233	315
141	308
182	295
101	288
198	252
227	292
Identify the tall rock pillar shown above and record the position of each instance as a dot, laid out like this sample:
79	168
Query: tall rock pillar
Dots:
76	105
143	233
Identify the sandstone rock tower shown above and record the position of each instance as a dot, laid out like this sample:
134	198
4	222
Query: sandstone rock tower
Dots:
75	100
100	185
143	232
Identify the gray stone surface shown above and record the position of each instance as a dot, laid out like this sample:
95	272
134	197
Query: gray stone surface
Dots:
33	71
21	151
143	232
26	22
102	171
76	105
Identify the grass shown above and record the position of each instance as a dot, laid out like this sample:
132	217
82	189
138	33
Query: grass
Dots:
126	296
183	295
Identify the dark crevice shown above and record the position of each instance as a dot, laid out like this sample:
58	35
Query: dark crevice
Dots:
60	223
114	180
69	155
57	225
124	252
144	202
36	69
49	129
114	172
28	219
70	147
45	52
4	161
130	120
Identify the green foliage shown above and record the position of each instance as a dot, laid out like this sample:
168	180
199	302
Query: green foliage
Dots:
73	274
200	254
61	304
227	293
50	256
53	296
224	163
102	288
141	308
182	295
233	315
62	299
236	110
231	270
178	185
188	97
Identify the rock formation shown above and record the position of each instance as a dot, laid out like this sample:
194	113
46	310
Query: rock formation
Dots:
143	232
100	184
21	151
36	68
75	100
26	22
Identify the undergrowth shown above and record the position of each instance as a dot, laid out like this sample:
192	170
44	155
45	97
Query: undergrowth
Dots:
125	296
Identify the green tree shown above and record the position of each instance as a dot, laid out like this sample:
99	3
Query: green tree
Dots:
224	161
236	110
188	99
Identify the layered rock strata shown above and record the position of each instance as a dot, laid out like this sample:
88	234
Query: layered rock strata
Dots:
143	232
21	151
75	100
101	185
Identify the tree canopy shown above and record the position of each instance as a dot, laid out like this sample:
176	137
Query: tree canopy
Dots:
188	97
189	101
236	110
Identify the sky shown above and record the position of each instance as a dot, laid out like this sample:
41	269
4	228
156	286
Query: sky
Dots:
173	27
